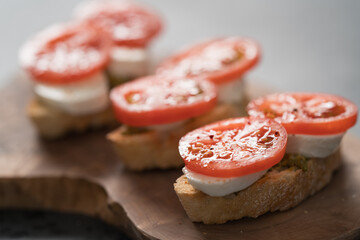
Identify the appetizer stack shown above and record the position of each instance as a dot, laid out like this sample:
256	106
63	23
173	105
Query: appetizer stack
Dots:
223	61
132	27
156	111
238	168
93	72
73	65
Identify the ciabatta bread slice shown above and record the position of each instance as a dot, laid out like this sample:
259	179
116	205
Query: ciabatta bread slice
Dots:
151	149
54	123
279	189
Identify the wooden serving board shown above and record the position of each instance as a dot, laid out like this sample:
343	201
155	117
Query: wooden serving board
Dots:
81	174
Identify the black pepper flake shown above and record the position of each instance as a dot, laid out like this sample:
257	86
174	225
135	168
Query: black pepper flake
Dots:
211	136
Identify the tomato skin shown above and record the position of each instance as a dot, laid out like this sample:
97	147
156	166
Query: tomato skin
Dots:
66	53
190	62
234	147
129	24
154	100
316	113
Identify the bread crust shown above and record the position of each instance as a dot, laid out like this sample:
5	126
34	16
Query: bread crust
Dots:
153	149
53	123
276	190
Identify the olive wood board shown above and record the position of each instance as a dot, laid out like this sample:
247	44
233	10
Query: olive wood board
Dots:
81	174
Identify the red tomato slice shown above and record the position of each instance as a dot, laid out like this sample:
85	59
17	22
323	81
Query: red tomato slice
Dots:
307	113
219	60
234	147
66	53
156	100
130	25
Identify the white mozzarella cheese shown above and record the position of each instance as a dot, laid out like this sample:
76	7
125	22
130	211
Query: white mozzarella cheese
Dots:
231	92
217	187
80	98
128	62
313	145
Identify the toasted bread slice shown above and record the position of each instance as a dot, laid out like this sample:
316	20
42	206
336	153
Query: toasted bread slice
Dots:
54	123
279	189
151	149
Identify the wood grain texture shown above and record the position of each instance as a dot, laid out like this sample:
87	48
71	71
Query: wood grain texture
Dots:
81	174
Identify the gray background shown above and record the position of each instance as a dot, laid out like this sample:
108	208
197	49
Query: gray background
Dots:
308	45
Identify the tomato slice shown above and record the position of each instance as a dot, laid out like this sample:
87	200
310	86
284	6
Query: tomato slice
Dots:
156	100
234	147
66	53
220	60
130	25
306	113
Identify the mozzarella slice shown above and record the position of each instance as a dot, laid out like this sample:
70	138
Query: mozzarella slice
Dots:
313	145
81	98
128	62
218	187
231	92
